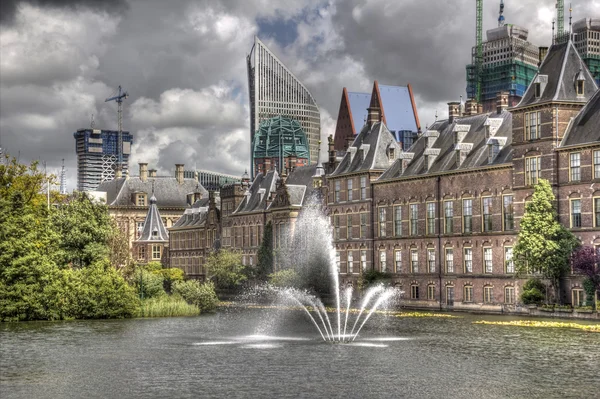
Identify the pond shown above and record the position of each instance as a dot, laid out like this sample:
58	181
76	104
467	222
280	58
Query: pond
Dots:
267	353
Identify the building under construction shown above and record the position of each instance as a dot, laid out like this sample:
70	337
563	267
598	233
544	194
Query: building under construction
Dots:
508	63
586	38
97	156
212	181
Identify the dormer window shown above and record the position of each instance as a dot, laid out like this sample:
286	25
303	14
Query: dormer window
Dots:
538	90
580	87
155	232
391	154
493	150
140	199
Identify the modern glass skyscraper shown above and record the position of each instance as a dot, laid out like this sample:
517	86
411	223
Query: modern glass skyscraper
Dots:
275	91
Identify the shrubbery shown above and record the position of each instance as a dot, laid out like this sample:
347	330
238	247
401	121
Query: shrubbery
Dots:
285	278
199	294
534	292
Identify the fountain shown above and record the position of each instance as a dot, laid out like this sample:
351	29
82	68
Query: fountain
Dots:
310	251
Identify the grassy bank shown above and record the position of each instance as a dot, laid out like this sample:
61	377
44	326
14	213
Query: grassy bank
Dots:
167	306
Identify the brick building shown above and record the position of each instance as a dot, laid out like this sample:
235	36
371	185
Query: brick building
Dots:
446	213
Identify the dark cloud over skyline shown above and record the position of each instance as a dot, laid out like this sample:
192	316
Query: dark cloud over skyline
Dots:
183	63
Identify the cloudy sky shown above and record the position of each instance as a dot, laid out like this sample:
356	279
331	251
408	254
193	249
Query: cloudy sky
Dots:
183	64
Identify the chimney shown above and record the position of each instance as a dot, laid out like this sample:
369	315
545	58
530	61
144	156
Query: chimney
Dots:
453	110
119	173
471	107
542	54
374	115
501	101
179	172
143	171
152	173
331	150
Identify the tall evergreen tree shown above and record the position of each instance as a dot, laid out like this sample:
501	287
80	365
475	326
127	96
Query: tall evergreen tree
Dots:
543	245
265	254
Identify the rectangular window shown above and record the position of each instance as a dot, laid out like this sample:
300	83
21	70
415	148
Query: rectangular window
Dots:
363	188
381	222
575	166
449	260
448	217
363	225
398	221
414	291
468	260
141	200
532	170
398	261
431	292
509	264
349	186
578	296
487	259
508	212
338	260
431	259
468	293
349	226
350	262
597	212
597	164
467	215
509	295
486	204
156	251
414	219
140	228
488	294
431	218
337	191
141	252
383	261
575	213
363	260
532	125
450	296
336	227
414	261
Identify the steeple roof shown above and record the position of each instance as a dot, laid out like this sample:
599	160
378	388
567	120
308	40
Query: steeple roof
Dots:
154	229
557	77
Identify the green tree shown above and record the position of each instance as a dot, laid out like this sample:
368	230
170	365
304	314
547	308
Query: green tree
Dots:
534	292
265	254
285	278
543	245
225	269
85	228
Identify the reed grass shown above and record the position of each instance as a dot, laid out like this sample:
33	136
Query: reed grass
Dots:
167	306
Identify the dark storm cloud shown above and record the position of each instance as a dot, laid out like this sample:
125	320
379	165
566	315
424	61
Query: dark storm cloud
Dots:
8	8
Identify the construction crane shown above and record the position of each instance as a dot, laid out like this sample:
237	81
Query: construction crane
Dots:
120	95
500	16
63	179
479	45
560	18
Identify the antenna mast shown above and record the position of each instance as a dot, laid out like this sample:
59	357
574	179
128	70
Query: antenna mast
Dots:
500	16
63	179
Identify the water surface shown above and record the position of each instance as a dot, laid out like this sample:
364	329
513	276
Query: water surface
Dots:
242	353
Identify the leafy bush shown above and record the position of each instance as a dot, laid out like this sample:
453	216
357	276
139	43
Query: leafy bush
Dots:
148	284
373	276
285	278
201	295
532	296
167	306
225	268
534	283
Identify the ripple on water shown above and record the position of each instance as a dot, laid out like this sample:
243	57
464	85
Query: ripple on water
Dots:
215	343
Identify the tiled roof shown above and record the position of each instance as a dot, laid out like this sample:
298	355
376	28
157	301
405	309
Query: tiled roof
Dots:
194	216
169	193
438	142
557	76
585	127
369	151
256	197
154	229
